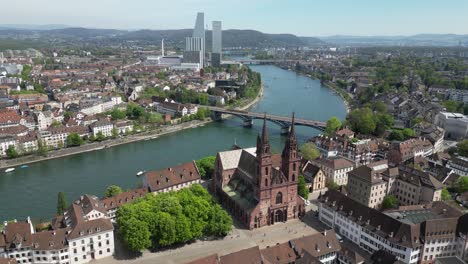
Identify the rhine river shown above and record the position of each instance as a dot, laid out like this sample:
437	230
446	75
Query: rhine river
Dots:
33	191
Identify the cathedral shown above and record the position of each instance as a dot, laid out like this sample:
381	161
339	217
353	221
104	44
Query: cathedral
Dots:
257	187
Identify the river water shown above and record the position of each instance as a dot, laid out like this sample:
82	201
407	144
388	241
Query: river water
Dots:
33	191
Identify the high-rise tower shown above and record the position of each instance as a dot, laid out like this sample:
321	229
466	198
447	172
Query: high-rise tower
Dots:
216	50
195	45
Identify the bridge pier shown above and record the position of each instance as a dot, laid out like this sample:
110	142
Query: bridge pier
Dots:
248	123
285	130
217	116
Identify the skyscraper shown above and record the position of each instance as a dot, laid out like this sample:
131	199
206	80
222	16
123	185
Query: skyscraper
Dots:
199	30
196	43
217	47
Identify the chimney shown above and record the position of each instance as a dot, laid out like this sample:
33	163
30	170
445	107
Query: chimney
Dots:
378	228
368	222
391	234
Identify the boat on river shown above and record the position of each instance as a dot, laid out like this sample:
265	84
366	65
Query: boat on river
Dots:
9	170
140	173
24	166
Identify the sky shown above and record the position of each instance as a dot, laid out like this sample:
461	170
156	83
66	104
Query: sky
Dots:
300	17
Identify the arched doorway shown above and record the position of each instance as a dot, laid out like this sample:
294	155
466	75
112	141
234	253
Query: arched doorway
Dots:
279	216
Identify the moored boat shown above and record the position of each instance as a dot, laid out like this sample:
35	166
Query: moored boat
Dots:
9	169
140	173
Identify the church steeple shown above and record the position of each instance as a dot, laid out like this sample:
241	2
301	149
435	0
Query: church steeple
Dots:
289	158
263	146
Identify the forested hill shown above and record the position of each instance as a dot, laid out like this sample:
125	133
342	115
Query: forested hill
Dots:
231	37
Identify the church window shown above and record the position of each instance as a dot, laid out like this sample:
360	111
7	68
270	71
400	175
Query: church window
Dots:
266	182
293	177
266	170
279	198
294	166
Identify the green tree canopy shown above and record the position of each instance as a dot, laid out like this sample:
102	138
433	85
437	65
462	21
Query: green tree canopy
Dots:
100	136
445	195
206	166
333	124
462	184
11	152
362	120
302	189
332	185
309	151
73	139
134	111
113	190
172	218
135	233
117	114
389	201
462	148
61	203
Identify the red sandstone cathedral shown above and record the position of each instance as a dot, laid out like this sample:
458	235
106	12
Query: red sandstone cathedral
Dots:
259	188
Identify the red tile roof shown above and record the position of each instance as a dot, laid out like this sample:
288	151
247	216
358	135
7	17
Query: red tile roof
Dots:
159	180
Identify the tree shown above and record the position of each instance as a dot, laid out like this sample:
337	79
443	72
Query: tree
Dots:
462	148
135	233
333	124
309	151
220	222
362	120
172	218
154	118
117	114
462	184
302	189
61	203
11	152
55	123
113	190
206	166
389	201
41	147
115	132
73	140
100	136
397	135
408	133
134	111
332	185
445	195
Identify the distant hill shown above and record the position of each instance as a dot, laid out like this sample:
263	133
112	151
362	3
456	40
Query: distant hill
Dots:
231	37
32	27
415	40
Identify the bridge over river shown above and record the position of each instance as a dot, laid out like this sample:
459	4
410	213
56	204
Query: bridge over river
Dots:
284	122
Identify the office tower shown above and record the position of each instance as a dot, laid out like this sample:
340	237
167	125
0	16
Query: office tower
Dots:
216	50
199	30
196	42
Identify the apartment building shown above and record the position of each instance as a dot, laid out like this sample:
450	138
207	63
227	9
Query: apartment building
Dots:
366	186
335	169
415	234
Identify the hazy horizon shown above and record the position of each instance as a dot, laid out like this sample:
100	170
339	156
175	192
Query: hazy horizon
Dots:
298	17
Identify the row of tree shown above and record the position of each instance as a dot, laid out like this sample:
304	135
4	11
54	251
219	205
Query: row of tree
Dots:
172	218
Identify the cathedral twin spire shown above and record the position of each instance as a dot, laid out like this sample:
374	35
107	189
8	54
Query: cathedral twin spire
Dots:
263	145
